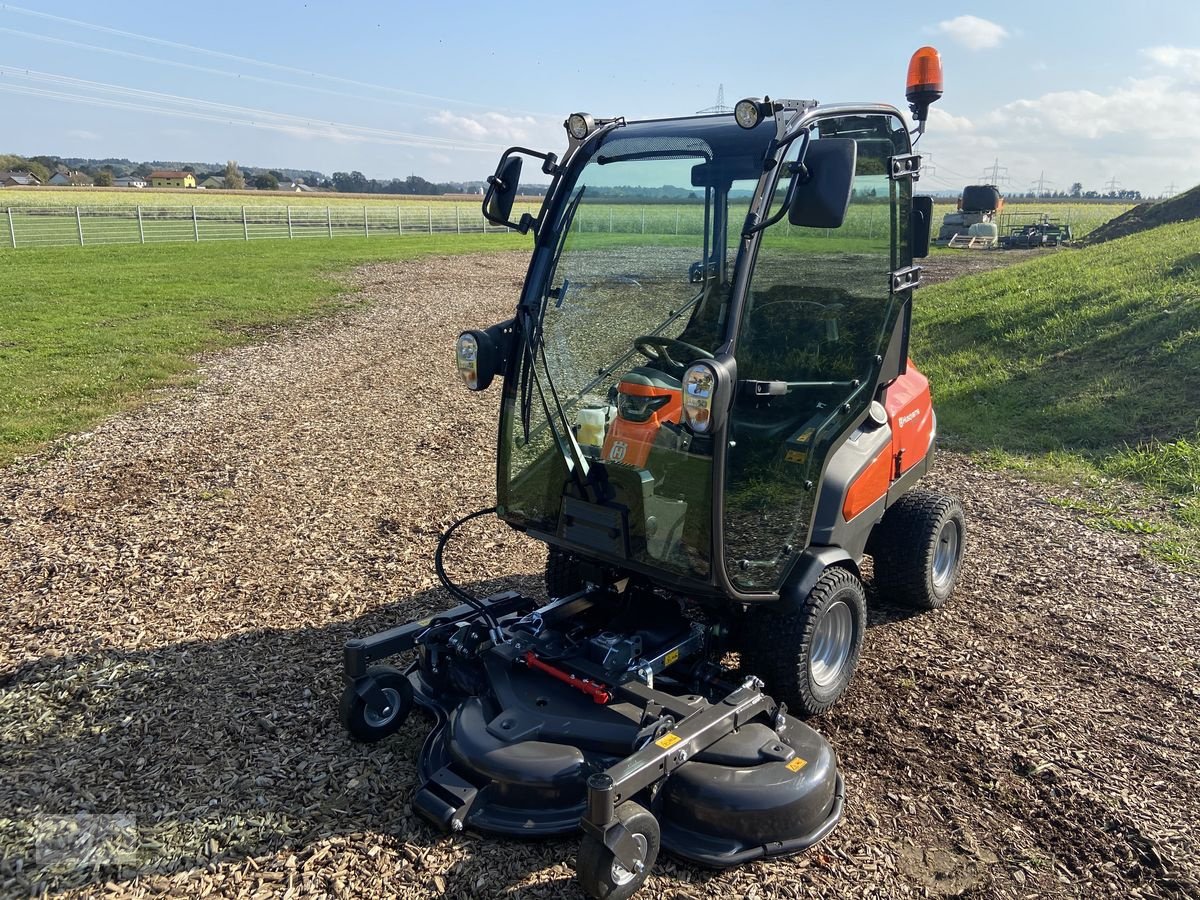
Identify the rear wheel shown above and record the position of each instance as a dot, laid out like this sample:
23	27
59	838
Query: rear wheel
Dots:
601	875
807	654
562	573
918	549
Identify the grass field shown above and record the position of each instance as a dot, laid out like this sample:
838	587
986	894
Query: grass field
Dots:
87	331
1081	366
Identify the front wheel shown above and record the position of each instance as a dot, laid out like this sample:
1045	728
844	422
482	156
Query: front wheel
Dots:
807	654
601	875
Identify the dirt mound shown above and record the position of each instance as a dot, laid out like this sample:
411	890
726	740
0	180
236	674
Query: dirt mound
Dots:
1180	208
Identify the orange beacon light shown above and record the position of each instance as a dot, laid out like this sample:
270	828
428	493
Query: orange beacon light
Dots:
924	81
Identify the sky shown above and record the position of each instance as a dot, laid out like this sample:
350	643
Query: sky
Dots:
1063	92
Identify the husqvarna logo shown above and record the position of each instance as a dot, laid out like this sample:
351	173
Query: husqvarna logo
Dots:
904	420
617	453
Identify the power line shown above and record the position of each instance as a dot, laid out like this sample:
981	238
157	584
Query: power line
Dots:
247	60
225	73
329	131
717	108
191	102
1041	183
1112	184
1170	191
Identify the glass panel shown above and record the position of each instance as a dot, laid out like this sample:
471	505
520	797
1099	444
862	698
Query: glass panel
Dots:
818	316
638	293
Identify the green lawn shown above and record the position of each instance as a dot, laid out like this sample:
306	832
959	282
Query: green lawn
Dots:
1081	366
86	331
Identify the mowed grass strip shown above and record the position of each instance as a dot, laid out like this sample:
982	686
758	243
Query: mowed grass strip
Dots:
86	331
1080	366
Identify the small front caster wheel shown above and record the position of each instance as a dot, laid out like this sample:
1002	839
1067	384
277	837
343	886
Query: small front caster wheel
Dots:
369	723
601	875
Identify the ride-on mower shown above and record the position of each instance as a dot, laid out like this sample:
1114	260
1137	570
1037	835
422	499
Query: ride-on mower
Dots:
710	417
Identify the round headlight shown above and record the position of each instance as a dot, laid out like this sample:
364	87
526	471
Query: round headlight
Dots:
579	125
466	352
748	112
699	391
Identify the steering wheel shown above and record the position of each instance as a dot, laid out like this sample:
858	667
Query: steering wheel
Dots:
658	349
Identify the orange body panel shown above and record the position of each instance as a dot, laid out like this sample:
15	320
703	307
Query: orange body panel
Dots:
629	443
871	484
910	412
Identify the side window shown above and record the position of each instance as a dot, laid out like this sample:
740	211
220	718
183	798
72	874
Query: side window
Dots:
817	317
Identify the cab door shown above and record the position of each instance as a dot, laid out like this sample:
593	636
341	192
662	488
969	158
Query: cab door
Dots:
815	325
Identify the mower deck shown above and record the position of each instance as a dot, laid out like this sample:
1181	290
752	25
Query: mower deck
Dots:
545	725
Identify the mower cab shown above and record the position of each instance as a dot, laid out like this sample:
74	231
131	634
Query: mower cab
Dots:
710	417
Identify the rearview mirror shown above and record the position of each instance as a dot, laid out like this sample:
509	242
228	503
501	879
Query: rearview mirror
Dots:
502	190
822	191
919	224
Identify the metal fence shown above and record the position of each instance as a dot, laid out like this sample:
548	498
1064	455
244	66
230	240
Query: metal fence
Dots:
49	226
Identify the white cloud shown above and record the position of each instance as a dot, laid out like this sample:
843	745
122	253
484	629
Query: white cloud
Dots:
83	135
974	32
1184	61
1141	130
491	125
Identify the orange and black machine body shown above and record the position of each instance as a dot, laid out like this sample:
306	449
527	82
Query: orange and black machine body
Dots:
646	399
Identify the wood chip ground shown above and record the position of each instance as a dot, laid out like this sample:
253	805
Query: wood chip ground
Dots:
178	583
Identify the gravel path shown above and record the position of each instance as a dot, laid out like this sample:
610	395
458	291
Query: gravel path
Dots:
180	580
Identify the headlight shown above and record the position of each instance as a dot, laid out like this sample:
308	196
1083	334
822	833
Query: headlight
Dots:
748	112
580	125
467	358
699	392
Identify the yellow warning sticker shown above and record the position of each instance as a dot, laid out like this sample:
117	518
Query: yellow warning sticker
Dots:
795	456
668	740
797	764
670	657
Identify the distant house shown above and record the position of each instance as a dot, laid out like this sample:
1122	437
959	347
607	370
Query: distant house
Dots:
19	179
70	179
165	178
131	181
212	182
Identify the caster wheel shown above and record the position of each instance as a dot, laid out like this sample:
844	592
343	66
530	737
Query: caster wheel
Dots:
599	873
368	724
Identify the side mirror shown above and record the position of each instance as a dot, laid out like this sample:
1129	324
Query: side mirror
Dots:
920	222
822	191
502	190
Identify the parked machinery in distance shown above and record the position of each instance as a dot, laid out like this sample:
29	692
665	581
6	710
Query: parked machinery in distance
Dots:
1045	232
974	222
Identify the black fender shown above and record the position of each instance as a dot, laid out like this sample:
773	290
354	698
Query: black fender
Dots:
809	568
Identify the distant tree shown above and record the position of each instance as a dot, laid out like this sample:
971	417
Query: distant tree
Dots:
1077	189
191	169
352	183
103	178
279	176
13	163
234	180
143	170
266	182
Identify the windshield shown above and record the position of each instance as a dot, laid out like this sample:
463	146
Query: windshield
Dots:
638	292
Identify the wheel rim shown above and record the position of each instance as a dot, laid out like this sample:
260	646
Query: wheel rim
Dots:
374	719
832	643
620	874
945	555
